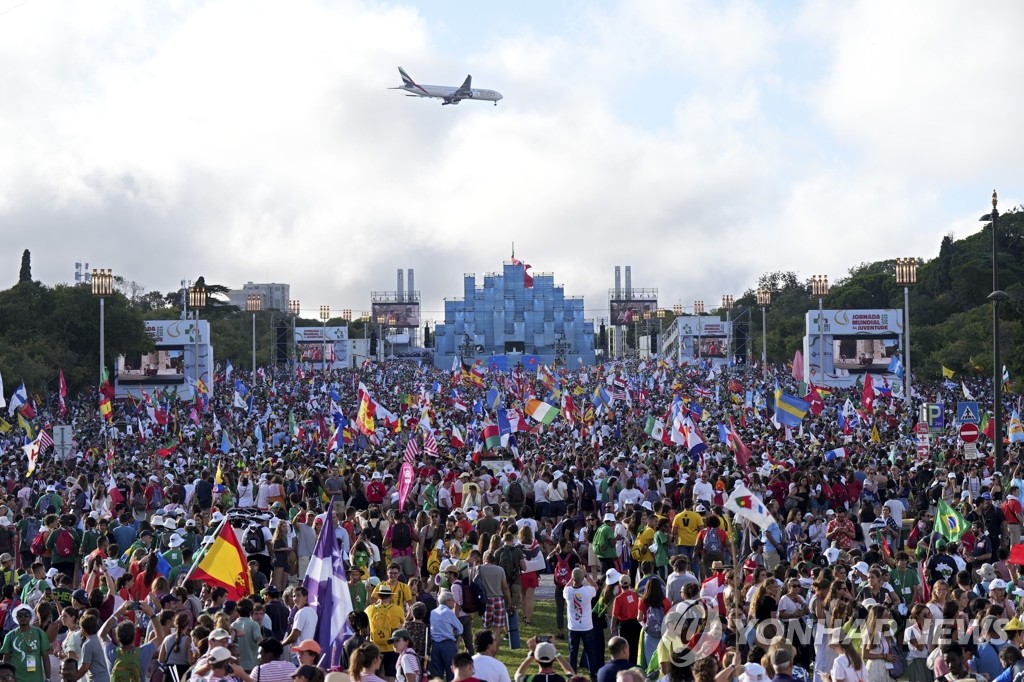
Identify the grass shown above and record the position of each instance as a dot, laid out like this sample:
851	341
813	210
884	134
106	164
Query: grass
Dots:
543	624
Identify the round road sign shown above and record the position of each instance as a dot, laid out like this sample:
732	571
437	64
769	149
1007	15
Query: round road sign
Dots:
969	433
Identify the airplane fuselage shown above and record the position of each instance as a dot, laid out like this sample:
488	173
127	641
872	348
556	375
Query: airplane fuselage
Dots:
447	93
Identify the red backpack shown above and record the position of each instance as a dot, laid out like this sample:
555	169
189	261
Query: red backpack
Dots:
38	546
563	573
65	545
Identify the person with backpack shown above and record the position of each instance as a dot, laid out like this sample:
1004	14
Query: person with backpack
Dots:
564	559
402	541
256	541
27	648
653	607
64	544
38	545
711	542
511	559
28	528
515	494
603	544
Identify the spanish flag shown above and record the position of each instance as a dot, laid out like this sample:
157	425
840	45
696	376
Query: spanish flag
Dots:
105	409
225	565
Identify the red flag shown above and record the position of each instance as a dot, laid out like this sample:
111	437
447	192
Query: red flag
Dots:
740	448
62	392
814	398
867	396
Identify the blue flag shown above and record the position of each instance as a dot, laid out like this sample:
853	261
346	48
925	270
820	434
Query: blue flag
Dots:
790	410
326	582
225	444
896	367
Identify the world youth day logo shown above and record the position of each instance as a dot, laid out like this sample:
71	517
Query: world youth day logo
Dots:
694	633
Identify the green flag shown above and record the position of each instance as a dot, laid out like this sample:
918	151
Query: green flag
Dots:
949	522
293	428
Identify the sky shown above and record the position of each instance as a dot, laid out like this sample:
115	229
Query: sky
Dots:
703	143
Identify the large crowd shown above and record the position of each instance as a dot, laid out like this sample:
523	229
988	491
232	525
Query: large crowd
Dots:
867	562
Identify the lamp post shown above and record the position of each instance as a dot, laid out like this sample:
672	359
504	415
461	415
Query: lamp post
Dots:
698	310
294	309
325	314
996	297
727	302
661	330
764	299
906	275
253	304
102	286
196	299
819	288
380	335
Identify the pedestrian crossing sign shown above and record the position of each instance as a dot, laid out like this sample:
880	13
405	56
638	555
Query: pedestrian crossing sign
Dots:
967	413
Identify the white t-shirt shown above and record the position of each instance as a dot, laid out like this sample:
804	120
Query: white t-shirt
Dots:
630	496
490	669
577	603
305	623
914	633
556	491
540	491
842	671
703	490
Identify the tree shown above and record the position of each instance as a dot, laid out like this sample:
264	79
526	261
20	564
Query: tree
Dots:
26	267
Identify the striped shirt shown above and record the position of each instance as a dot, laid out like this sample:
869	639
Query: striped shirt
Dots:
274	671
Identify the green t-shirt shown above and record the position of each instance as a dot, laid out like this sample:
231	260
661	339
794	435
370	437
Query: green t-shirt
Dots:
604	542
248	635
903	583
26	651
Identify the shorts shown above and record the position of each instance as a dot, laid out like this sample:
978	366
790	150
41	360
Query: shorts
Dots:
494	616
529	580
388	663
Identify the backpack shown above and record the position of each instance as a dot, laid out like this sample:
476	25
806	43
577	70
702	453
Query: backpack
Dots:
401	536
712	544
655	619
600	544
506	560
7	620
474	599
7	541
373	534
157	498
638	549
38	546
516	495
563	573
127	666
589	495
139	502
31	530
65	545
254	542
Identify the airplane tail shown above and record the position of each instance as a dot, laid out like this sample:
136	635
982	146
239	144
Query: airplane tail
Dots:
408	82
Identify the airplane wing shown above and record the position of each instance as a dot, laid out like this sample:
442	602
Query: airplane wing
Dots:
465	90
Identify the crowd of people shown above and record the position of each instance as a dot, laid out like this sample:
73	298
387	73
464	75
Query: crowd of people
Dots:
852	559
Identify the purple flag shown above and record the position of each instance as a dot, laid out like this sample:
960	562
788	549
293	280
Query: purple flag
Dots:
327	583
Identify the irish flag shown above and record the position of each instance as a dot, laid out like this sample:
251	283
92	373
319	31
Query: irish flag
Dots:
541	411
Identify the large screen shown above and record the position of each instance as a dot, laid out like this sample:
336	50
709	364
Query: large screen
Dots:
397	314
859	354
628	312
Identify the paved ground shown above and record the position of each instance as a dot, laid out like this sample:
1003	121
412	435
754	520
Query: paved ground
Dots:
546	589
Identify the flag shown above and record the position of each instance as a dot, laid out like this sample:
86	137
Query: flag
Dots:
26	427
875	436
947	372
814	398
988	427
1006	375
798	366
655	428
5	426
867	396
456	440
430	444
218	479
225	565
364	417
790	410
62	391
225	442
45	441
1015	430
491	436
838	453
31	451
967	394
326	581
740	449
3	400
105	409
19	398
541	411
228	369
745	504
949	522
896	367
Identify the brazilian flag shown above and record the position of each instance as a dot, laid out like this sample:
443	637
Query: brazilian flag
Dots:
949	522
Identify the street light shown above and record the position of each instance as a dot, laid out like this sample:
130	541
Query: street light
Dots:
698	310
996	297
294	309
727	302
764	299
196	299
819	288
325	314
253	304
906	275
102	286
647	331
380	335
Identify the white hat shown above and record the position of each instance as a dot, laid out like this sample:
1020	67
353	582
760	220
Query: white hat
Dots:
700	509
612	577
997	584
52	572
609	517
647	505
157	520
217	517
218	654
4	521
868	603
170	523
861	567
376	476
753	672
558	475
175	541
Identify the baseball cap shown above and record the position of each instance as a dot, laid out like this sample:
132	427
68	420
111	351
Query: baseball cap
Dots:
220	633
781	658
401	633
218	654
79	596
307	645
997	584
545	652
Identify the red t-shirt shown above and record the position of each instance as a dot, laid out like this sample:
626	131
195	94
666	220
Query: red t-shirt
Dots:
626	606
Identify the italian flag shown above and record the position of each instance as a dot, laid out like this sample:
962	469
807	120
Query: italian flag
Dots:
541	411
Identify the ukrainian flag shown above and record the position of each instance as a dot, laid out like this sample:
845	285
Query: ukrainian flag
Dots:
790	410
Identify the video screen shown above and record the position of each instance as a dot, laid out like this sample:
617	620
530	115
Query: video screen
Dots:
168	363
628	312
397	314
711	347
859	355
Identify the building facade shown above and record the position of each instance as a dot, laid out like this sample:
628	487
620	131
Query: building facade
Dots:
273	296
506	321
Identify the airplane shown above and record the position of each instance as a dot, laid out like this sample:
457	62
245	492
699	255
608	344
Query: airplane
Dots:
447	93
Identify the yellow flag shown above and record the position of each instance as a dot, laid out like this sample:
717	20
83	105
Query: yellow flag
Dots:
4	426
947	372
26	427
875	436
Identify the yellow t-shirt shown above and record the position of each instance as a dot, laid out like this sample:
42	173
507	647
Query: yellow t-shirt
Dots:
384	619
685	527
400	594
644	539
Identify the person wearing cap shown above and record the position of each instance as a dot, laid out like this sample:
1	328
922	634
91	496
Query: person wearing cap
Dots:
27	648
603	545
782	662
408	668
997	594
445	631
307	652
942	565
385	617
545	655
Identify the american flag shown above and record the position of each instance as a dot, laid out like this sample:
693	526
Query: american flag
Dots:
411	450
45	441
429	445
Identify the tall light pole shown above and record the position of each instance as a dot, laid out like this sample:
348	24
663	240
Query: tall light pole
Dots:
325	314
196	299
996	297
698	310
727	302
102	286
819	288
294	309
764	299
906	275
253	304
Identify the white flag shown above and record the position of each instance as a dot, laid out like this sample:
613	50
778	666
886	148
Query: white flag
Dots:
3	401
746	505
967	394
